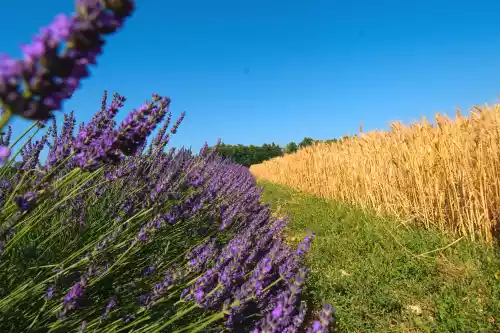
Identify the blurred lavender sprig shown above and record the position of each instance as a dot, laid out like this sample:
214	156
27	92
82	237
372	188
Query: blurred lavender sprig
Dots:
58	57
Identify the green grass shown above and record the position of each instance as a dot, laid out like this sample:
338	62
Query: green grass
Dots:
368	268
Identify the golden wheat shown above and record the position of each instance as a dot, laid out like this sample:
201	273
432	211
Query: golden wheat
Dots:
445	175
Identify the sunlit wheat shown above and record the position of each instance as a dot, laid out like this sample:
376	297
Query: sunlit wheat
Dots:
444	175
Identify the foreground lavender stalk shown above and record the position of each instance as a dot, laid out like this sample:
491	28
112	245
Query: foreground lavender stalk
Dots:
35	86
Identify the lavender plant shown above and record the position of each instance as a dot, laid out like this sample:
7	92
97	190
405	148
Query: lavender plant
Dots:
110	234
147	242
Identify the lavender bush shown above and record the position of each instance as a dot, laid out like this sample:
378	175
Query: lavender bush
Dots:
112	234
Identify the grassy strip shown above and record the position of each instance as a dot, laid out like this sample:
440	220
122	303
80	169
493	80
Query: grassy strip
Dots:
385	276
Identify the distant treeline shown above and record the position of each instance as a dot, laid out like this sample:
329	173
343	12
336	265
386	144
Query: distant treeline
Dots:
249	155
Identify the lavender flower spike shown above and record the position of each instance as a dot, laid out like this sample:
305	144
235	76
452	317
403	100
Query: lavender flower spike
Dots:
34	87
325	320
4	154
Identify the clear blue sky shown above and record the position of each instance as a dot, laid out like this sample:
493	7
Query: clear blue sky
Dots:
261	71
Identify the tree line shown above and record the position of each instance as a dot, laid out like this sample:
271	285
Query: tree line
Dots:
250	155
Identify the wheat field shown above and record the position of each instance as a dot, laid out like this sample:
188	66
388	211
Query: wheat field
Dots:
444	175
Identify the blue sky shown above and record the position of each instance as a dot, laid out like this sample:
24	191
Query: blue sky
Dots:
261	71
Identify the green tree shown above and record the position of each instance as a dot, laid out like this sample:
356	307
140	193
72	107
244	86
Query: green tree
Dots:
292	147
249	155
306	142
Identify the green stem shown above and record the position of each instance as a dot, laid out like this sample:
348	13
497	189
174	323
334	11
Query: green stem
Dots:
13	158
38	315
24	134
201	324
55	169
7	113
120	258
176	317
11	197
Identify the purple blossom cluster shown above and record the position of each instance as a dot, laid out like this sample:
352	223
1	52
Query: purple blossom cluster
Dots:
57	59
99	140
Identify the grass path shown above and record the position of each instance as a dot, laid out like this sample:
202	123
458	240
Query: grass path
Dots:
370	270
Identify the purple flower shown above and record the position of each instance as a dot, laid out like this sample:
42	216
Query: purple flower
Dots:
159	290
140	123
26	202
72	297
150	270
109	306
325	320
62	144
31	153
50	292
177	123
51	74
277	312
4	184
99	142
75	293
4	154
201	255
161	140
305	245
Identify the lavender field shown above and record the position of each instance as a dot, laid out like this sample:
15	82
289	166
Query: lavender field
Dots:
115	231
